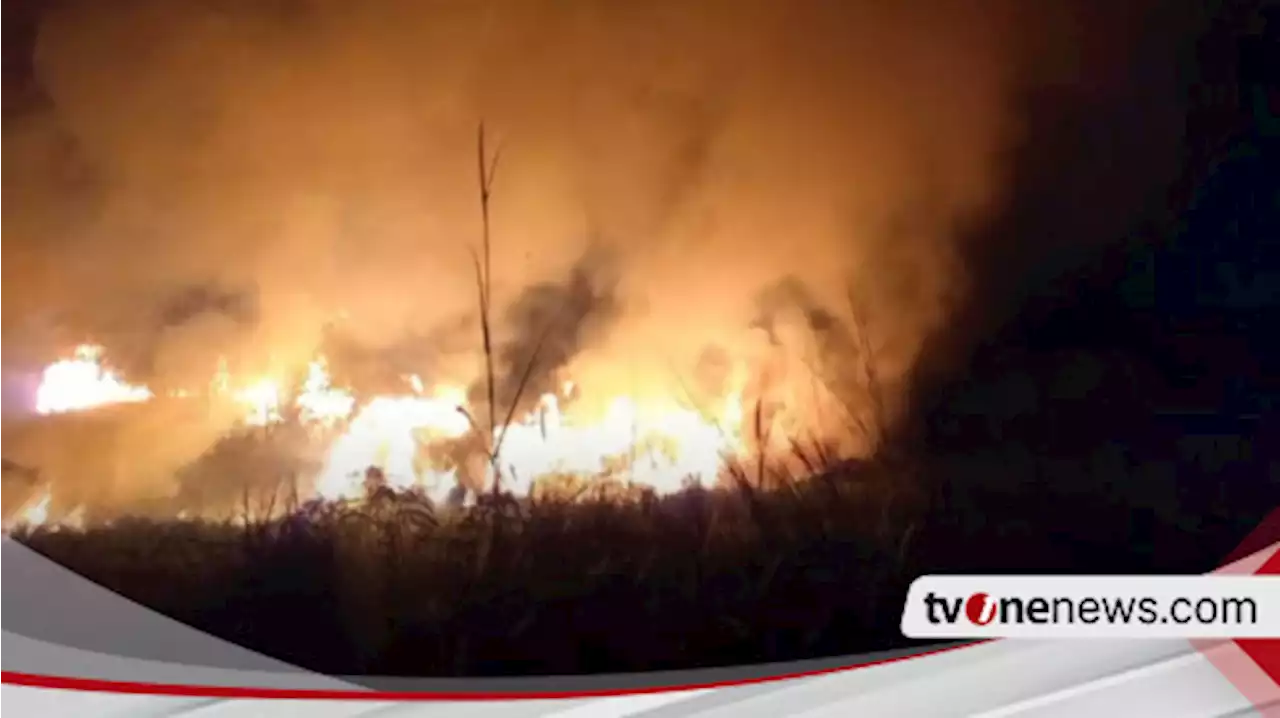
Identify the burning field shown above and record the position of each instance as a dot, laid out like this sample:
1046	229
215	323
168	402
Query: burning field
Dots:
412	336
268	225
363	532
427	439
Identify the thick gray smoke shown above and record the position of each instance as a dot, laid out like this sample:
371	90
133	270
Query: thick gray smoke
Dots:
547	326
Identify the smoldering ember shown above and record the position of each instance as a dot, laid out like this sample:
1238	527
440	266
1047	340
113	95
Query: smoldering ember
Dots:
430	338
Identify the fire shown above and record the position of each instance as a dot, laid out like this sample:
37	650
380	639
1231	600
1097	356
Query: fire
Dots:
639	440
261	401
36	512
82	383
660	446
384	433
317	401
320	402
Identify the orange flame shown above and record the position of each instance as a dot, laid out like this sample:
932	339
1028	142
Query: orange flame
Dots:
36	512
653	442
659	446
81	383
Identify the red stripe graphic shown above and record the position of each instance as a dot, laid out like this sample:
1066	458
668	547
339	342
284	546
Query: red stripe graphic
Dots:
93	684
1252	665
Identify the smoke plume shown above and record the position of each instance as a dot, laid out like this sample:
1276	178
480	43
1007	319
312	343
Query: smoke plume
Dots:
196	179
547	326
320	153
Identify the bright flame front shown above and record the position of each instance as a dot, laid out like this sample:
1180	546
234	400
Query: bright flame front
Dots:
82	383
649	442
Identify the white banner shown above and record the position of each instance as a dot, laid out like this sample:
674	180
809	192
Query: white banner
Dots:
1212	606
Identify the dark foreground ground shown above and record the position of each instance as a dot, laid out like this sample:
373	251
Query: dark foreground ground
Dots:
703	578
699	579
